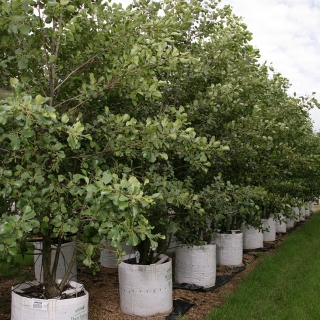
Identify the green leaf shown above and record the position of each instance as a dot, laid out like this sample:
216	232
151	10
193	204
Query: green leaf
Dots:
52	59
74	229
66	227
65	118
26	227
77	177
7	173
123	198
25	175
24	29
89	250
133	239
15	142
106	178
39	179
27	133
72	142
123	205
39	99
164	156
23	63
71	8
78	127
29	215
87	262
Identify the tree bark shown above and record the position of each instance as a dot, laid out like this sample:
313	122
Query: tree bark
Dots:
51	289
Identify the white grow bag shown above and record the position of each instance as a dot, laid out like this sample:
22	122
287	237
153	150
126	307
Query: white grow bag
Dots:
302	213
269	224
23	308
252	238
311	207
109	258
65	258
290	222
196	265
145	290
306	211
281	226
229	248
296	213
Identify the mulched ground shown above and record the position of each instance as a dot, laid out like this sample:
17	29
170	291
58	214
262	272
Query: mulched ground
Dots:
104	300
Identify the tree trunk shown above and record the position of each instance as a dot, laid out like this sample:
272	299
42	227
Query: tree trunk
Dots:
144	248
51	289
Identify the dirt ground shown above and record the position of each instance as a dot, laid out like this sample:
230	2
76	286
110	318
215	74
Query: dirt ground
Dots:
103	288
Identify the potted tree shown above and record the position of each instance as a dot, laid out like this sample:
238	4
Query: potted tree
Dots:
46	199
75	162
195	259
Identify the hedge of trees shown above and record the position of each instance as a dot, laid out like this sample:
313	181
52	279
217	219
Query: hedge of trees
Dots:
129	124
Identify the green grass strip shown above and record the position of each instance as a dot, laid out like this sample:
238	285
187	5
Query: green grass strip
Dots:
285	285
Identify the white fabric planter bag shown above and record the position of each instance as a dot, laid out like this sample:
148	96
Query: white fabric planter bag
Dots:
295	210
302	213
145	290
269	224
311	206
281	225
196	265
297	213
65	258
290	222
109	258
23	308
229	248
252	238
306	211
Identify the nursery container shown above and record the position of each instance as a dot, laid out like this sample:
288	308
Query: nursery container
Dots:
302	213
280	224
196	265
145	290
23	308
311	207
229	247
269	224
290	222
296	213
306	210
109	258
252	237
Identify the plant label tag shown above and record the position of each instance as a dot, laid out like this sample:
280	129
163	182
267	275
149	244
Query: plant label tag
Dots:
40	304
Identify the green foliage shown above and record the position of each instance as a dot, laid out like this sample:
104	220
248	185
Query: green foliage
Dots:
128	123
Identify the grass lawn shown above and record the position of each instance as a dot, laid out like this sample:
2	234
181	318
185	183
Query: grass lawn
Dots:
285	285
